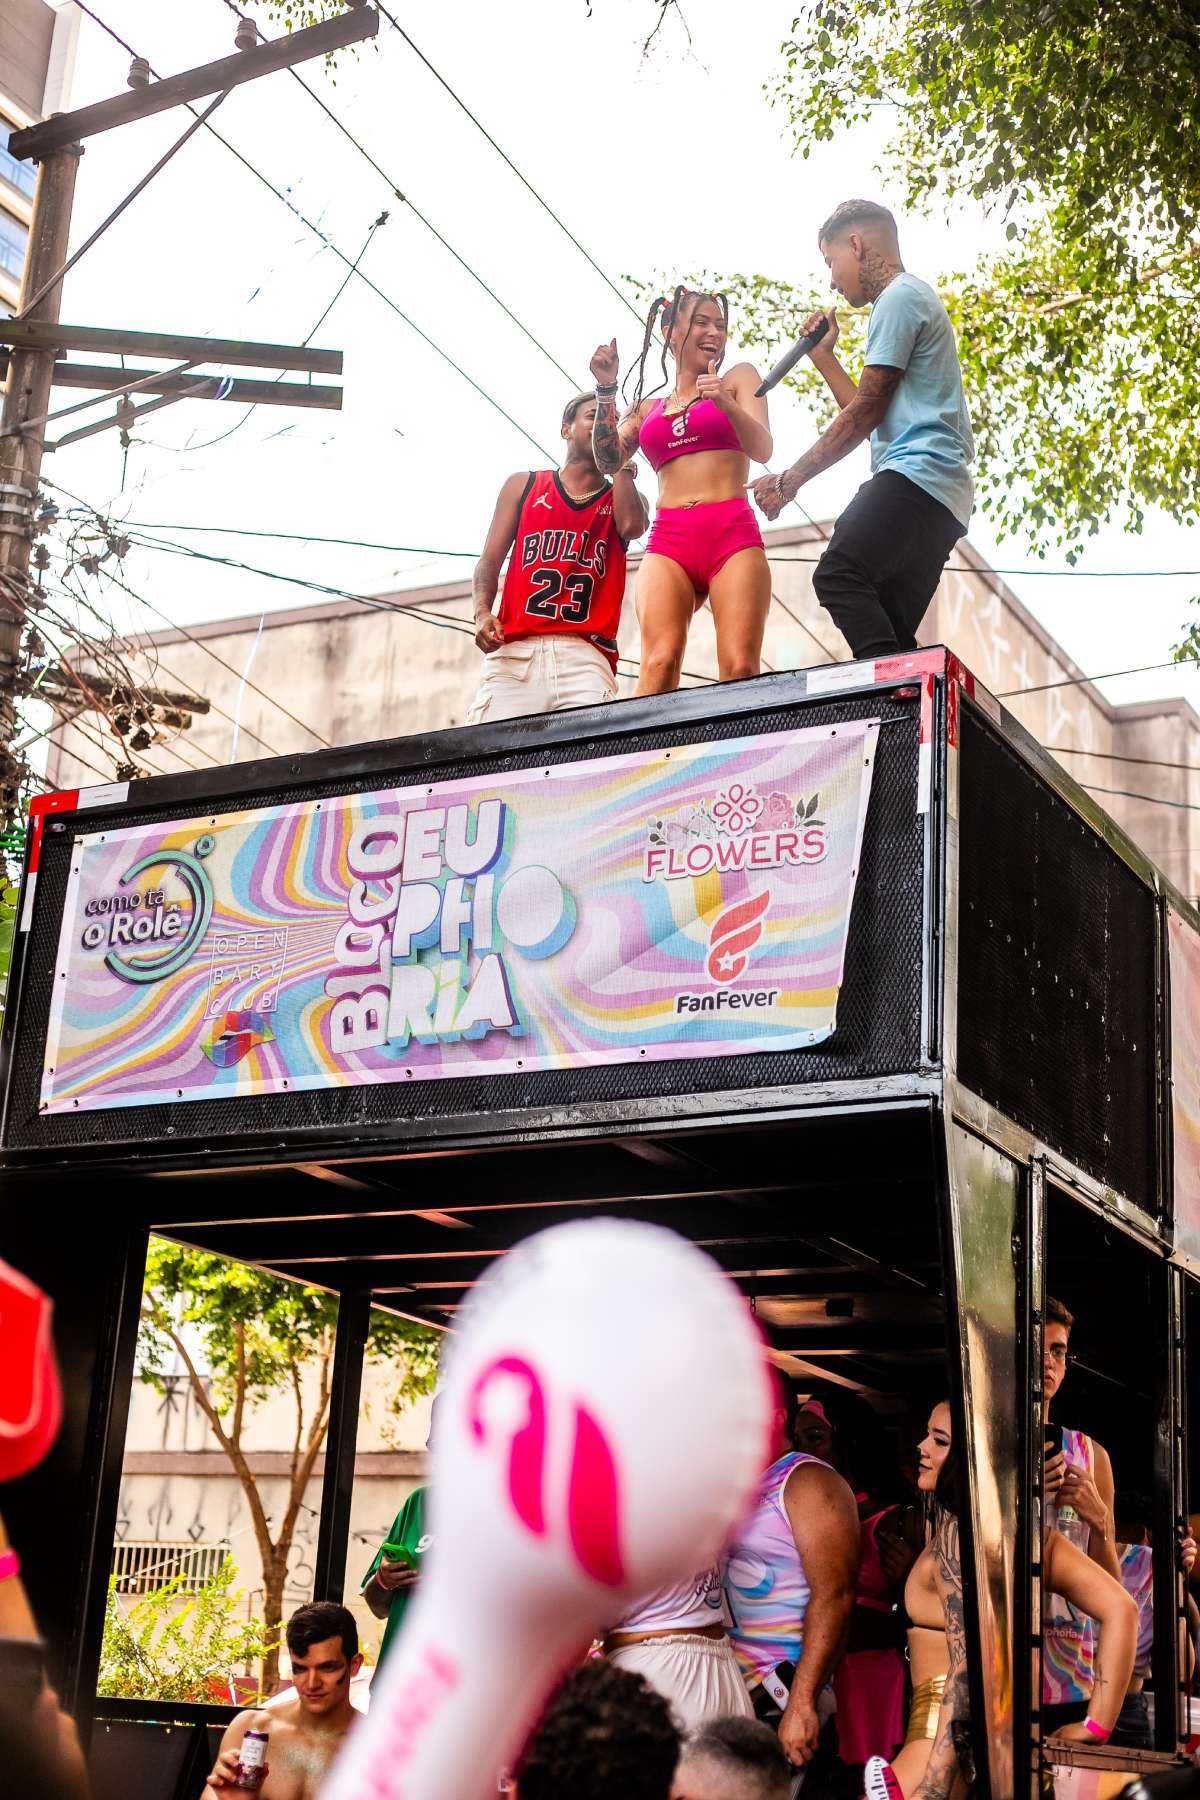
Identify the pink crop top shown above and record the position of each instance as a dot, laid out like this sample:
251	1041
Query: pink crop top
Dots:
703	427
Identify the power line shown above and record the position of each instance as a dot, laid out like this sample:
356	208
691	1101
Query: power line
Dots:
342	257
159	664
1145	762
309	537
797	620
1039	574
1152	799
302	537
1109	675
414	209
546	207
191	449
184	632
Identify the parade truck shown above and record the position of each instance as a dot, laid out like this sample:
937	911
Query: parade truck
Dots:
836	972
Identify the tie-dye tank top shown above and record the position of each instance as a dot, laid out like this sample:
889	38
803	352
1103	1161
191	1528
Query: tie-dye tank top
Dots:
1137	1578
1068	1636
765	1583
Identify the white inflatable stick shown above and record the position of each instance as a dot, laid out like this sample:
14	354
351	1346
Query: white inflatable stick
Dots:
603	1424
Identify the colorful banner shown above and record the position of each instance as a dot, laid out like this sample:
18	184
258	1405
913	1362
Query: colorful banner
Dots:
683	902
1184	948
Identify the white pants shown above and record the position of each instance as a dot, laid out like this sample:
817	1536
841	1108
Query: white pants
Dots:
541	675
699	1676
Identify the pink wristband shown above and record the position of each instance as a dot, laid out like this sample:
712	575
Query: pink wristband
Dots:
10	1564
1101	1733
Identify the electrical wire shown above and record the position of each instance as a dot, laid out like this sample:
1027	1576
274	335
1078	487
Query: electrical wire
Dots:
342	257
184	632
807	629
417	612
1109	675
308	537
1145	762
210	443
1151	799
404	200
546	207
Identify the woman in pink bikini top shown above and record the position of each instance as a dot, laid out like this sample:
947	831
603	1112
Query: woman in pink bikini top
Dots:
705	541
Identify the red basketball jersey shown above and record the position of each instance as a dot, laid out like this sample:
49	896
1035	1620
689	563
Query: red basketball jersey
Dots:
566	574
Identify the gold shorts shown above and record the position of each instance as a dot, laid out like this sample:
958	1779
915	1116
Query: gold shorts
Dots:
923	1713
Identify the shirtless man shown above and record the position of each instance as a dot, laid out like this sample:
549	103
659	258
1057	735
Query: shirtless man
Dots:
307	1723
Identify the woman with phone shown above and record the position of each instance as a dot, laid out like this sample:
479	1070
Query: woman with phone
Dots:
933	1598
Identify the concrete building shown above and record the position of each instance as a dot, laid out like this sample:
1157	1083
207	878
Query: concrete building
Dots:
37	63
182	1511
344	672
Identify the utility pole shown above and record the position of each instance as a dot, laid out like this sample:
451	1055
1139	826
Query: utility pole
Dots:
31	343
31	375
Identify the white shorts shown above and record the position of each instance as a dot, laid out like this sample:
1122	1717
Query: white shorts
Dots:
698	1675
541	675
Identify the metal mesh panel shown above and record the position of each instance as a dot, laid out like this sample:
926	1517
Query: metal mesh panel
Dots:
878	1015
1056	970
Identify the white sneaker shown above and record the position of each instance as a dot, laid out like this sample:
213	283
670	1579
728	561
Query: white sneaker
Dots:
879	1780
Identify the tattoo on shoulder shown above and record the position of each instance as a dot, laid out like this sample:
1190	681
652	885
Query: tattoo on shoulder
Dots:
879	382
945	1543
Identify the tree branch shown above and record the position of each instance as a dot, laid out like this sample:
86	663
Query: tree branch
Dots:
239	1407
232	1450
1155	274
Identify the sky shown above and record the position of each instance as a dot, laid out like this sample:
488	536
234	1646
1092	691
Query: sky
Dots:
660	162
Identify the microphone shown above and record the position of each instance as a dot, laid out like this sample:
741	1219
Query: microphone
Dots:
603	1424
787	362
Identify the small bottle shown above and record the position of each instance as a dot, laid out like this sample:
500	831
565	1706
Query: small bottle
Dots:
251	1771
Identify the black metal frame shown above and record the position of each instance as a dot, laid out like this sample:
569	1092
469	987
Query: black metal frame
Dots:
677	1116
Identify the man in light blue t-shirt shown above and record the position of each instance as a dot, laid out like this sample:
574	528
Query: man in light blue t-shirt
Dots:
889	547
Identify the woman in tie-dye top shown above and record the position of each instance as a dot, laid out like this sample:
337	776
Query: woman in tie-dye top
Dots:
790	1576
1079	1496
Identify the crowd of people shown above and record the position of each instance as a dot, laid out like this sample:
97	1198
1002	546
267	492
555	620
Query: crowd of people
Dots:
826	1651
550	641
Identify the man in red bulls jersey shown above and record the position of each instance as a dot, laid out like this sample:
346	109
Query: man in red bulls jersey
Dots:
552	643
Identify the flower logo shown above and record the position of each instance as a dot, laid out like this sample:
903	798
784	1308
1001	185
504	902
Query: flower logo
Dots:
734	934
736	808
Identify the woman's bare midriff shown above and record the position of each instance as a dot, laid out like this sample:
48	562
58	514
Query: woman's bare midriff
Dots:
703	478
927	1654
621	1640
927	1626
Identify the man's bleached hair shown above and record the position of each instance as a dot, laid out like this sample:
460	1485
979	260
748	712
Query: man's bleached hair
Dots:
852	214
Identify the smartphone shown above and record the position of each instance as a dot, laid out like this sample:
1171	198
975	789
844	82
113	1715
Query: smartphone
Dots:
399	1553
1053	1439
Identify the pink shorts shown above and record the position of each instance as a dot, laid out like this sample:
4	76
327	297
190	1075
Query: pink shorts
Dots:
702	538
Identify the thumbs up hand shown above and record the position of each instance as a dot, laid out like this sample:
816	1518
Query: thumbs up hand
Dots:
711	387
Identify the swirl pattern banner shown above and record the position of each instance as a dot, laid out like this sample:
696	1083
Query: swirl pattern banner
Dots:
670	903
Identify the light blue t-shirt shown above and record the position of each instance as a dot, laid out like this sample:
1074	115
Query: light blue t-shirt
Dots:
925	433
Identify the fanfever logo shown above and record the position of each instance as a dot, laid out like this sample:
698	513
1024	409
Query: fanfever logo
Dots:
148	917
734	934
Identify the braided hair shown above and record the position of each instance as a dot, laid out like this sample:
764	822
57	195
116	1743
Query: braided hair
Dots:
671	311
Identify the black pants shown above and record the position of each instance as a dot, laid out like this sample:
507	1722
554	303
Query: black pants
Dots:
884	562
1132	1730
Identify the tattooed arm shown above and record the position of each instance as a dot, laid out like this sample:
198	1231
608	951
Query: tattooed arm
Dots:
612	444
942	1767
855	423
